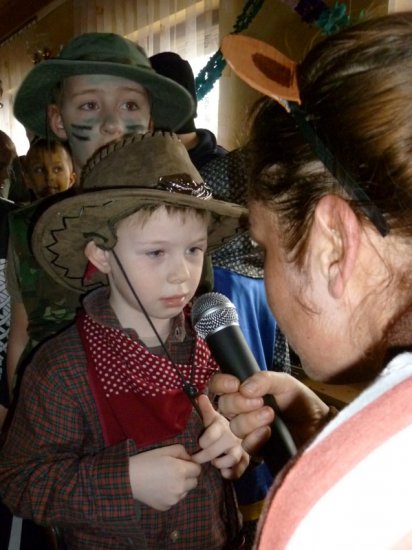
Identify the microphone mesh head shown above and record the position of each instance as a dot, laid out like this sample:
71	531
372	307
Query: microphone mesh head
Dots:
211	312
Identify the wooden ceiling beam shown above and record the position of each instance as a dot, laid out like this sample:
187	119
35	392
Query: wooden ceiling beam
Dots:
14	15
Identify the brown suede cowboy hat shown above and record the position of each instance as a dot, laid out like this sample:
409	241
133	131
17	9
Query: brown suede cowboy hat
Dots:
106	54
119	179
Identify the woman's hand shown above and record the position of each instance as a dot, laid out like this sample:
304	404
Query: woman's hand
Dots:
302	410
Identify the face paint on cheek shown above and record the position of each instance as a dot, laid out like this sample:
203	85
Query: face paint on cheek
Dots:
80	132
137	128
137	122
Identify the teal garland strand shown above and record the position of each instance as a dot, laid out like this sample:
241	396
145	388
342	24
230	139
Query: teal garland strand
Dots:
332	20
212	71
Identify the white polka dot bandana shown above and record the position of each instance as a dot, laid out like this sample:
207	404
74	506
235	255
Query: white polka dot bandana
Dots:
139	395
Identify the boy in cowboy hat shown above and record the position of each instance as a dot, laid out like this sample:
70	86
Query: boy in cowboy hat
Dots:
110	428
98	88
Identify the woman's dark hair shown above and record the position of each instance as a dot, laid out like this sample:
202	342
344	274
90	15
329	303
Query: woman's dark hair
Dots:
356	91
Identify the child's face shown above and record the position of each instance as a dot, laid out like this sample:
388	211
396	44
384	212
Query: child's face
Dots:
47	172
96	109
163	259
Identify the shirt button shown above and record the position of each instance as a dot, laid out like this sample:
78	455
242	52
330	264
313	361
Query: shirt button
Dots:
174	536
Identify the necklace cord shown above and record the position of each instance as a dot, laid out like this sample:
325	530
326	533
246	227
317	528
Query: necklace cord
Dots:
189	388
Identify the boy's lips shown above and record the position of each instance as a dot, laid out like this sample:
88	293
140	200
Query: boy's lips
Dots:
174	301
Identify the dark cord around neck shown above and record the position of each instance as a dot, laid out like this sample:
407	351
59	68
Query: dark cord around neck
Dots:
190	390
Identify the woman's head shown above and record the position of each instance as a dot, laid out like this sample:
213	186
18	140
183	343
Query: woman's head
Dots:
356	89
328	269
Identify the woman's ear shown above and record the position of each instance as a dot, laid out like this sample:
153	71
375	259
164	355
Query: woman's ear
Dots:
338	231
98	257
56	121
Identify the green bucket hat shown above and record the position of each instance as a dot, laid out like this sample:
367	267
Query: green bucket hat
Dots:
119	179
105	54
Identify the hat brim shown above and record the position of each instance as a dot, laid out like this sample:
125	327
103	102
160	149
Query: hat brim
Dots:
172	105
262	66
63	230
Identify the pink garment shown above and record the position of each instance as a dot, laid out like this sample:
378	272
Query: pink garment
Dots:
315	505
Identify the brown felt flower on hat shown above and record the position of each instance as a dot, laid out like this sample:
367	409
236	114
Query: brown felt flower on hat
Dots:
122	177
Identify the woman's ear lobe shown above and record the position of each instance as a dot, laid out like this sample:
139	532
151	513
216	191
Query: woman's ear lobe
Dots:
56	121
341	238
98	257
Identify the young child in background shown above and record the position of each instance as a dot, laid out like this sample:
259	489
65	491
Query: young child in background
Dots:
100	87
48	168
109	428
6	207
7	155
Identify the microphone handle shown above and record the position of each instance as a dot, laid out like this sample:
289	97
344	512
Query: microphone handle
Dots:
234	356
280	447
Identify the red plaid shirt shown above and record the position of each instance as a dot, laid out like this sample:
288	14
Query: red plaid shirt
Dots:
56	470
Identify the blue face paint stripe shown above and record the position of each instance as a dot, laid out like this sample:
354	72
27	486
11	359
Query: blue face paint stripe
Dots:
80	138
80	127
136	128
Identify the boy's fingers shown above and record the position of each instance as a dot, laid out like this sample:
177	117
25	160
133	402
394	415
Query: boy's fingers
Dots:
207	410
175	451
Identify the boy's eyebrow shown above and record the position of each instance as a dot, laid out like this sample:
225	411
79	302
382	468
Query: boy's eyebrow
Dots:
142	92
165	241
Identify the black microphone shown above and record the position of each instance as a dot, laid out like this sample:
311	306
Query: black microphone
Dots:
215	319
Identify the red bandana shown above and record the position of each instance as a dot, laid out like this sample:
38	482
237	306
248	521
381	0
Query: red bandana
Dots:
138	394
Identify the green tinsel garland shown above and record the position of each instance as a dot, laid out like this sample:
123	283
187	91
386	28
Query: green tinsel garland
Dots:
213	69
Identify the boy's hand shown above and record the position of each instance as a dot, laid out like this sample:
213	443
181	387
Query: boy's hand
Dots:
219	444
162	477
